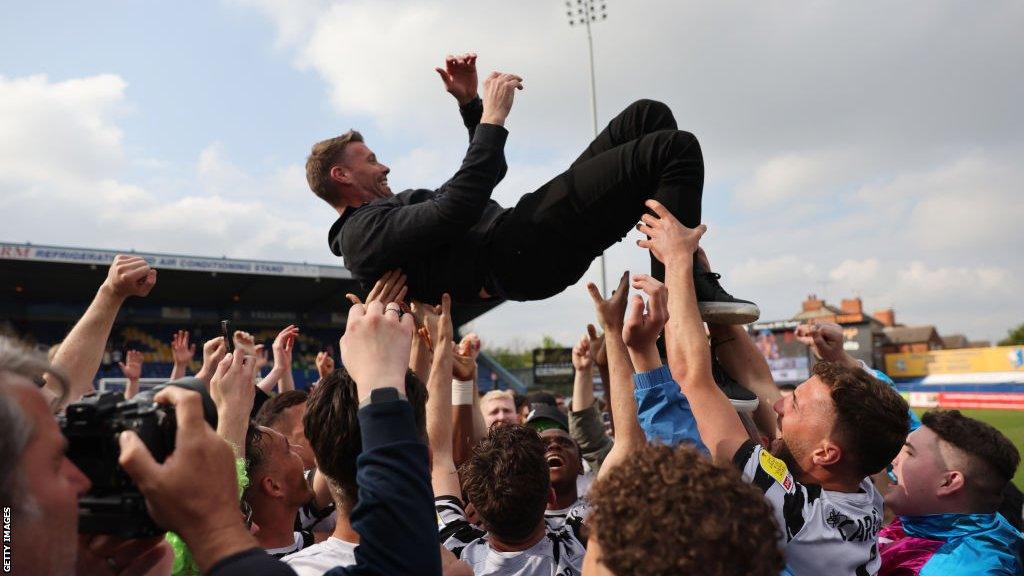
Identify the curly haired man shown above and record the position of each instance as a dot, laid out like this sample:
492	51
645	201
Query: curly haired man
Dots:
671	511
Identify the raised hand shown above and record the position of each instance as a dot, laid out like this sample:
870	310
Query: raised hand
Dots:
132	366
244	343
825	340
232	385
464	357
610	312
581	358
390	288
459	77
499	93
376	346
283	346
642	329
668	238
261	358
426	317
129	276
597	349
324	364
132	369
213	351
181	351
233	392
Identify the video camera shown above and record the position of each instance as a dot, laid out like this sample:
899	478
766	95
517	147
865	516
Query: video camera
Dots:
114	504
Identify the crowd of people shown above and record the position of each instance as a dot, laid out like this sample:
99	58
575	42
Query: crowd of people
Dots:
393	463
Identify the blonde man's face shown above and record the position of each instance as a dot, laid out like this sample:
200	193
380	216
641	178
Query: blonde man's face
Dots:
499	410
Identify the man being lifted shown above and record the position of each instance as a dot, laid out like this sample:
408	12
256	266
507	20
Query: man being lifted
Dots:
456	239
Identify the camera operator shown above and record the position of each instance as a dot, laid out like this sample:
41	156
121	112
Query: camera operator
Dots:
41	487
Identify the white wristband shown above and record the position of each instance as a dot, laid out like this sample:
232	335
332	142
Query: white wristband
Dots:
462	392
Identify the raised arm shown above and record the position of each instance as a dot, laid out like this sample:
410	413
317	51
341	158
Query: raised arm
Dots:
611	313
283	346
465	411
744	362
81	352
382	236
460	80
376	348
444	477
324	365
132	370
585	425
233	392
213	350
689	354
182	353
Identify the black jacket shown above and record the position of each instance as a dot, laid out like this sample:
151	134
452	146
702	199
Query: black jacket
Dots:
439	238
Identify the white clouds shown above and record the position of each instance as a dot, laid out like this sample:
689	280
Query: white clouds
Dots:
851	272
787	178
62	166
884	163
965	284
59	130
788	270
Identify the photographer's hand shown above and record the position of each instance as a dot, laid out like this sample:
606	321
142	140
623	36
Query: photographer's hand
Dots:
194	492
105	555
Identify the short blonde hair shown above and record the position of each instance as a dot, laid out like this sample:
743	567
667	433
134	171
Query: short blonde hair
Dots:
326	154
496	395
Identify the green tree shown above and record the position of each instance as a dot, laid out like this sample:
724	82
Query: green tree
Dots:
1013	337
549	342
511	358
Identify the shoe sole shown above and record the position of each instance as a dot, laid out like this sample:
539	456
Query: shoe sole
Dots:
744	406
729	312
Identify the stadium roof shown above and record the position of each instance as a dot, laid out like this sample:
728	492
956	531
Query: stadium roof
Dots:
34	275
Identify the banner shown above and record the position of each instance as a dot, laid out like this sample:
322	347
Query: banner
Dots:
553	366
167	261
961	361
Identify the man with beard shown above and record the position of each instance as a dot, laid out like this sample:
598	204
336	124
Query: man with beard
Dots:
457	240
564	462
836	429
277	489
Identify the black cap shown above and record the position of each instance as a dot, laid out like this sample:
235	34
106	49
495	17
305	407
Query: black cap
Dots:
542	416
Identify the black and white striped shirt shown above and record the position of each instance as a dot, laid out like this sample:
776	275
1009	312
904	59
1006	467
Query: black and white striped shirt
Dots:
823	532
560	553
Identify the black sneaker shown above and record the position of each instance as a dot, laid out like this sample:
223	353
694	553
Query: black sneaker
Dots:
718	306
742	400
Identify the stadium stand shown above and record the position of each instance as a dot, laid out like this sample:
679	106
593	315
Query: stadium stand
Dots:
45	289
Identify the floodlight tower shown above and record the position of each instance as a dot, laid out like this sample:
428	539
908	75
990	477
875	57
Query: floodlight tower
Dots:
584	13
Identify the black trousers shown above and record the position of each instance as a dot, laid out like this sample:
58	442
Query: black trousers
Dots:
548	240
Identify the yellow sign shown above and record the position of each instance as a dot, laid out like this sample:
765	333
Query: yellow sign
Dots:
962	361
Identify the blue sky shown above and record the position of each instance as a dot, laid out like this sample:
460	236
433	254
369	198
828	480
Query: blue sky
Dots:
851	148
